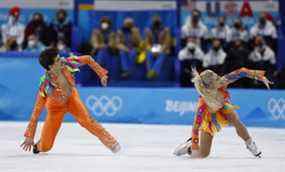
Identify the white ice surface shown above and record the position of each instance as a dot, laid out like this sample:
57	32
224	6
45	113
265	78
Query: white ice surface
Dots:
146	148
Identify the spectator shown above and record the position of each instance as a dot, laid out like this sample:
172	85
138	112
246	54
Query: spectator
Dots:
37	27
60	29
215	58
121	42
128	31
264	27
13	31
156	33
116	61
93	47
105	28
194	28
191	52
238	32
262	57
236	59
221	31
137	57
237	56
168	43
190	56
34	44
97	42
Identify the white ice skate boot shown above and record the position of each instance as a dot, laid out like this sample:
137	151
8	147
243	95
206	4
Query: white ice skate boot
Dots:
184	148
251	146
116	148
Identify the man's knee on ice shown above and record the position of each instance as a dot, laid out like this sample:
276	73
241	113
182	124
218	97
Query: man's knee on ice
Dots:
45	147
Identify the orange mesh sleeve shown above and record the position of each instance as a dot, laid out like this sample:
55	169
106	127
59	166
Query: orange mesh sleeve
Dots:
100	71
38	107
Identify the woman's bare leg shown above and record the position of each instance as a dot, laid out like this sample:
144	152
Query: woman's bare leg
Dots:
243	133
239	126
205	146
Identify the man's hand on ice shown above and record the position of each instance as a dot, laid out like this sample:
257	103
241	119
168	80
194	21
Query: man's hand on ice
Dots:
27	144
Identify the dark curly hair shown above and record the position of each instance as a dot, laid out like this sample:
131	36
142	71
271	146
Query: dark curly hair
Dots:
47	57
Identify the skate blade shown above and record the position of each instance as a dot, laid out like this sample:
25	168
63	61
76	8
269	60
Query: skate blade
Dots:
181	149
258	155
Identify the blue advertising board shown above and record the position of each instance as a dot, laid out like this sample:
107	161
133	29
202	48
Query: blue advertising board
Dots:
19	78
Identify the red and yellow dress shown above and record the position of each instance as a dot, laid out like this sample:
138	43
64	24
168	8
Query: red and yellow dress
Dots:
211	121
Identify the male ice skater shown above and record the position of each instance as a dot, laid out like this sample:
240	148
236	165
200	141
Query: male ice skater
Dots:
58	94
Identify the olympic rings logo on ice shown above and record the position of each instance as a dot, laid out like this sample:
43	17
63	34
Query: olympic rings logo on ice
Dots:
104	105
277	108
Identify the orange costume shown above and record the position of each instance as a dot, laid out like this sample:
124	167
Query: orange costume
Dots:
58	102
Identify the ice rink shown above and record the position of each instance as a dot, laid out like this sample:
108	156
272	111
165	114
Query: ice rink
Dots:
146	148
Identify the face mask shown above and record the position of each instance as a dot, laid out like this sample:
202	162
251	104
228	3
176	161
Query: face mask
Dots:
60	47
237	25
104	26
261	47
156	24
262	21
222	24
216	48
31	43
195	18
61	19
191	50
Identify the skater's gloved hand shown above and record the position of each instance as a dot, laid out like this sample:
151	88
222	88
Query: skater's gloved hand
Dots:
104	80
266	82
27	144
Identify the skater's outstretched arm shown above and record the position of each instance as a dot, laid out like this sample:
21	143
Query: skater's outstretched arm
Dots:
38	107
32	126
88	60
244	72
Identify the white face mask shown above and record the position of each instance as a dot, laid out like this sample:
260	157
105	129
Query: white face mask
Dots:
104	26
31	43
60	47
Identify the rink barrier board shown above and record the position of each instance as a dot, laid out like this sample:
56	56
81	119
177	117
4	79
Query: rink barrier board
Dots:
19	81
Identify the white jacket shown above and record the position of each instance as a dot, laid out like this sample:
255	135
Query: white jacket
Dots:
221	33
13	30
214	58
238	34
189	31
184	54
268	30
268	55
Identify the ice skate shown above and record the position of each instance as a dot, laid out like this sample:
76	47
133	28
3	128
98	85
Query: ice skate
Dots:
184	148
116	148
251	146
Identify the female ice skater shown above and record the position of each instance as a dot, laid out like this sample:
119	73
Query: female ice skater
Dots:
58	94
214	111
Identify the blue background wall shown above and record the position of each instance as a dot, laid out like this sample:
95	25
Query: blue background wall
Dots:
19	83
